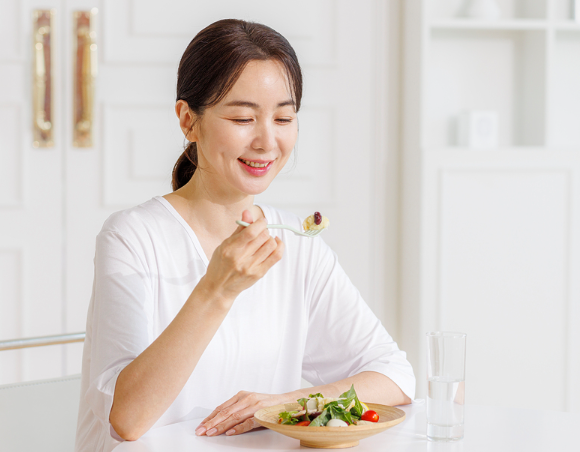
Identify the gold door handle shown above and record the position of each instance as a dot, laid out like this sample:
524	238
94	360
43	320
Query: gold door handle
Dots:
85	72
42	89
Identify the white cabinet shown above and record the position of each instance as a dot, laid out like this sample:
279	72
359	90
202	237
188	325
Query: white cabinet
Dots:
491	238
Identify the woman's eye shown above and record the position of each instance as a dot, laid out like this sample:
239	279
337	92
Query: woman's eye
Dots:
249	120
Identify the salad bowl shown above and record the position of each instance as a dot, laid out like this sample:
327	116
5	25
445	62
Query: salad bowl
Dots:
329	437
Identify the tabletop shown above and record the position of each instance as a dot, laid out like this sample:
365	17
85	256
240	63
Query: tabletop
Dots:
487	429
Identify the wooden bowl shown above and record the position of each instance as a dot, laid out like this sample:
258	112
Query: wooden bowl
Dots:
329	437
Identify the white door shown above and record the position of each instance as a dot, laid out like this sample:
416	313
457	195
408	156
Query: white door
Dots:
31	202
137	140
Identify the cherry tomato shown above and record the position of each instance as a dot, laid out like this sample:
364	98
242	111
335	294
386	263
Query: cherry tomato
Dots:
304	423
370	416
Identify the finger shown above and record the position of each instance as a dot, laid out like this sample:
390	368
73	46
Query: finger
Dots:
249	241
221	407
235	419
260	240
245	234
267	248
247	216
234	414
274	257
246	426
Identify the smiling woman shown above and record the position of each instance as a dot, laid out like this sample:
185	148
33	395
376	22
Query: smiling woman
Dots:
190	313
231	45
243	143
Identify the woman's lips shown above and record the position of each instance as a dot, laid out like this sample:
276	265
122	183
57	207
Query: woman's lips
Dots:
256	171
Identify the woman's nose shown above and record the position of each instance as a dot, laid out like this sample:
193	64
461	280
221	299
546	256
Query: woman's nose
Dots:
265	138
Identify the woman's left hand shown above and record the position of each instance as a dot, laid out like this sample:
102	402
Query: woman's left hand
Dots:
236	415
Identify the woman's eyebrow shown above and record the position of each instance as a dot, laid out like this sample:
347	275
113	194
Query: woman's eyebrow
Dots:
245	103
286	102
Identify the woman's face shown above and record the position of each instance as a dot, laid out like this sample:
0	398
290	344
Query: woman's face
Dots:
246	139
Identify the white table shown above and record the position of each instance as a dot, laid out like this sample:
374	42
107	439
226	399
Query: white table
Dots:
487	429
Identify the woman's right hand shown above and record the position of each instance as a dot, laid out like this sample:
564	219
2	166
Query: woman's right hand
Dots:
243	258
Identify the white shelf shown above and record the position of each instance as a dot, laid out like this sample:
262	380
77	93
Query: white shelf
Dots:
473	24
487	69
501	152
525	66
498	150
436	159
567	25
516	24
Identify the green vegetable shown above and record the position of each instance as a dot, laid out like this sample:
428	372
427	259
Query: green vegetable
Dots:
331	410
337	412
321	420
303	402
349	396
286	417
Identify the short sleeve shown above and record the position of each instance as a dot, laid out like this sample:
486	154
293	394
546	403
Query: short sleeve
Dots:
119	322
344	337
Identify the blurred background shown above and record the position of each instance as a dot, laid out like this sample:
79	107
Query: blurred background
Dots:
441	138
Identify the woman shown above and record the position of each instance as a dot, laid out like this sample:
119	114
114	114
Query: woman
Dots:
190	311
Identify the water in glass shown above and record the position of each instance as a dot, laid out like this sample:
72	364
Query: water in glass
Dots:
445	402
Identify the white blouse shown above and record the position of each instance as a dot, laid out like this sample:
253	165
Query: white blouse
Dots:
303	319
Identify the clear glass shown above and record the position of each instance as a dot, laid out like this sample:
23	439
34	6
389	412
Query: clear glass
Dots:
445	385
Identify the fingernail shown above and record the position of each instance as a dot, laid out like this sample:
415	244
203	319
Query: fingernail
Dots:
230	432
213	431
200	431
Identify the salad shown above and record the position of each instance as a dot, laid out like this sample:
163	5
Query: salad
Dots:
320	411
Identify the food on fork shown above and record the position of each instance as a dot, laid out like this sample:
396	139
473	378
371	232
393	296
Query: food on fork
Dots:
319	411
315	222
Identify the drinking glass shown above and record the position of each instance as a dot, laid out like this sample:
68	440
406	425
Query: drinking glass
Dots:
445	385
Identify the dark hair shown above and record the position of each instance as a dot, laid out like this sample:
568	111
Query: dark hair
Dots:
211	65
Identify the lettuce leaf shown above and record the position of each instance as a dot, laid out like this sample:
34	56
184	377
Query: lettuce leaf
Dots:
321	419
286	417
349	396
337	412
332	410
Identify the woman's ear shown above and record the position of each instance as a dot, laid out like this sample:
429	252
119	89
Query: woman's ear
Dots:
186	120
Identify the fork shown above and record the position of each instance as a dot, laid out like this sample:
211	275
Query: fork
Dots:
309	233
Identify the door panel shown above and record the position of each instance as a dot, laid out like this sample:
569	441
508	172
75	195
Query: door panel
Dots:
31	186
141	144
11	171
511	274
140	31
500	251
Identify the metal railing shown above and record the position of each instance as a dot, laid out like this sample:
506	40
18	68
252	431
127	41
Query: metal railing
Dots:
57	339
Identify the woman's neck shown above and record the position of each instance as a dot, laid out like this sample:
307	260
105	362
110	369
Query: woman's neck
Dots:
209	211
